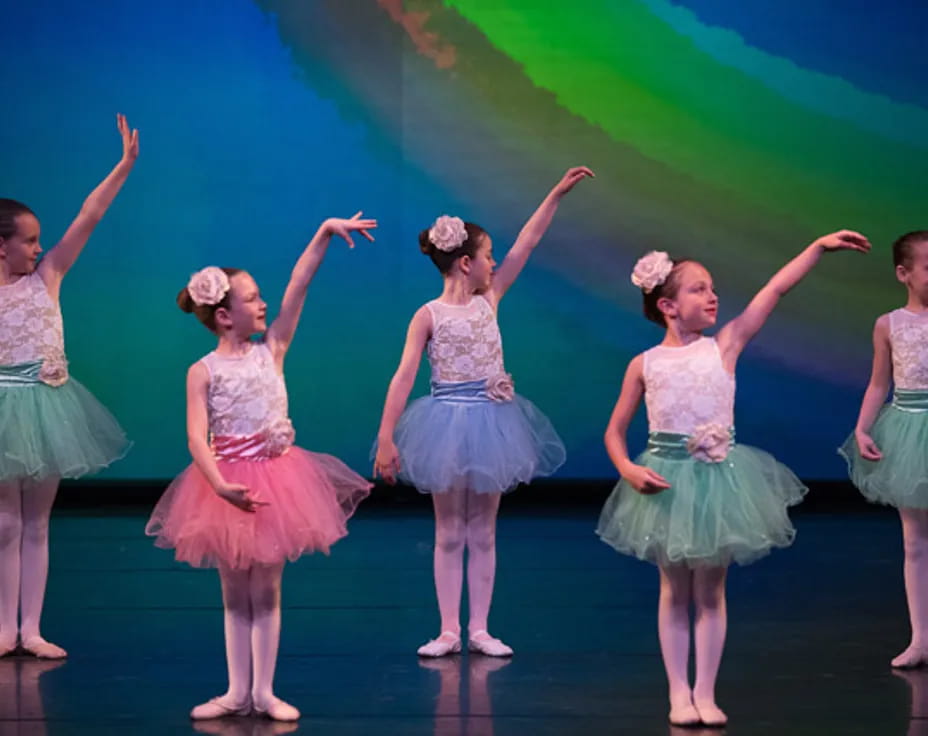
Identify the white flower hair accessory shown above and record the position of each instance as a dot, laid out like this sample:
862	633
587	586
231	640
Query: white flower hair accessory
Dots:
709	443
447	233
208	286
652	270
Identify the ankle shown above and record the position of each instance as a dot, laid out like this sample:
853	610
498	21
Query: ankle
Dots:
236	696
680	694
262	697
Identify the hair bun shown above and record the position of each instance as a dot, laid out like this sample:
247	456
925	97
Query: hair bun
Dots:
426	245
185	301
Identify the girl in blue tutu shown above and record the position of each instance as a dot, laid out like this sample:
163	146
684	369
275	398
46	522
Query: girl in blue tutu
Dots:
50	425
695	500
888	453
473	437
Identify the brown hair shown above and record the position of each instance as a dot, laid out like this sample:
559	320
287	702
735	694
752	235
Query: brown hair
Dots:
902	248
668	289
444	260
10	209
206	313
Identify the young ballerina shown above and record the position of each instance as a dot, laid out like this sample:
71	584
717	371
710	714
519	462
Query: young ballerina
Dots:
473	438
886	454
51	427
252	499
695	500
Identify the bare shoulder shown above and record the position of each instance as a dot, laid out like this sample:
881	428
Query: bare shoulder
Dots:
636	367
422	319
197	374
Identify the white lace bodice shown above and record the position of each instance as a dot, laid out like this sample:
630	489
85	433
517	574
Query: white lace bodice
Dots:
465	344
687	387
246	395
31	328
908	339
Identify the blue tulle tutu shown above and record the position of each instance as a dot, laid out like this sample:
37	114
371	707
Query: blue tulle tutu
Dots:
53	431
900	478
712	514
458	438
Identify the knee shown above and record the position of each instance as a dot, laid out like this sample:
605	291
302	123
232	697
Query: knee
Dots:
450	537
676	597
236	599
916	548
265	598
236	596
709	598
481	537
11	528
35	531
265	591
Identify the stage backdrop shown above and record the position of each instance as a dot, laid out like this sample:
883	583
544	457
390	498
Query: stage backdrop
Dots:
729	132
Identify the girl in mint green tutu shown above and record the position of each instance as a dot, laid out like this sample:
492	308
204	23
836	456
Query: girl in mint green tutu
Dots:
887	455
51	427
695	500
473	437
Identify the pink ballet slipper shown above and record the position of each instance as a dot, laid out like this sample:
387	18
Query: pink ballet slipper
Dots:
277	710
447	643
216	708
37	646
481	642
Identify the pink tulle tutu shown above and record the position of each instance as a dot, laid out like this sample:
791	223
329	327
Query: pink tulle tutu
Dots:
309	497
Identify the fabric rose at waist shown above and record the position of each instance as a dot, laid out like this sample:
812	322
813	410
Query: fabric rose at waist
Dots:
496	388
50	372
708	443
271	442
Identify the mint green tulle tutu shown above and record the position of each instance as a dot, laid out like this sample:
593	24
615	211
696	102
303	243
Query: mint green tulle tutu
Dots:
53	431
712	514
900	478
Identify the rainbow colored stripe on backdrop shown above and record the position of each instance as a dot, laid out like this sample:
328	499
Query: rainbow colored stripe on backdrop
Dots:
730	132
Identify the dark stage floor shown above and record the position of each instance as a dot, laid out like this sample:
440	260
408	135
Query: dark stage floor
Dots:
811	633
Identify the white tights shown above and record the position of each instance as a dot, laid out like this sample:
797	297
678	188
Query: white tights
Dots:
251	599
704	589
465	519
25	508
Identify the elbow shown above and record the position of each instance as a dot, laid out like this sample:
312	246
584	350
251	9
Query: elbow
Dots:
92	212
609	437
195	444
401	383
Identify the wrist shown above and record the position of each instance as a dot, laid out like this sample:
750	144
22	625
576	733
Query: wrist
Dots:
624	466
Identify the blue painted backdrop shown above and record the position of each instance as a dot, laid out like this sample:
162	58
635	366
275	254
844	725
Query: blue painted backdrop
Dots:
733	133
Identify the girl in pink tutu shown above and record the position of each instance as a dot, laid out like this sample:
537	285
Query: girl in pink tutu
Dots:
252	499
